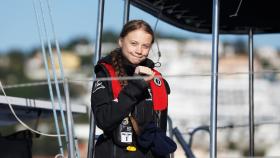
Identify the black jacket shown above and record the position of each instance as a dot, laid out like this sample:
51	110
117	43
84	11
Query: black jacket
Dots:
133	98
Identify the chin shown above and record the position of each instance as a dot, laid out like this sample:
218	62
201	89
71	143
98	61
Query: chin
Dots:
135	62
138	61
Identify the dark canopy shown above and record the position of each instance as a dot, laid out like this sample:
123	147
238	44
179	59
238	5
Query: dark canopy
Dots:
196	15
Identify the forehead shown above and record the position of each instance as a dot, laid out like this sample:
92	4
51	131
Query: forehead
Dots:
140	36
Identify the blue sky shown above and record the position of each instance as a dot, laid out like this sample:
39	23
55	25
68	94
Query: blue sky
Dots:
74	18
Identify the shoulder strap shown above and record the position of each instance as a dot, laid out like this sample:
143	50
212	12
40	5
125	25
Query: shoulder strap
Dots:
159	94
116	86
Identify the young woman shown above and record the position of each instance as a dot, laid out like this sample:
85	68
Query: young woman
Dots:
132	113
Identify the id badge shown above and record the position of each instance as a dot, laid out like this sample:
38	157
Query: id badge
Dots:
126	137
126	131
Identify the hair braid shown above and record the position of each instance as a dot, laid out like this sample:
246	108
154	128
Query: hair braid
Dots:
118	66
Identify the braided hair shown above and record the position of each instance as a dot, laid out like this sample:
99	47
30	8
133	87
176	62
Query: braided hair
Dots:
118	65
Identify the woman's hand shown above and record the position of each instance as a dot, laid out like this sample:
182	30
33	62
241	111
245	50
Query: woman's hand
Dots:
145	71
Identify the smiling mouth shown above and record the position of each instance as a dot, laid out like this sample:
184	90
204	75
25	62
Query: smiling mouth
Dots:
140	57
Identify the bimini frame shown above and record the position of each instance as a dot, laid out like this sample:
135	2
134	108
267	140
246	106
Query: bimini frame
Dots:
214	84
214	78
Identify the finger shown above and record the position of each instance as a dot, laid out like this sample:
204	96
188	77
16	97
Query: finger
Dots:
145	70
150	77
137	70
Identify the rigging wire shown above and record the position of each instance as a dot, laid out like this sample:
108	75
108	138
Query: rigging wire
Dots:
247	125
60	67
48	78
21	122
54	72
137	78
232	126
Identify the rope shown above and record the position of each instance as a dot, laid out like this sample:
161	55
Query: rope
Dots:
237	10
59	156
21	122
158	63
48	79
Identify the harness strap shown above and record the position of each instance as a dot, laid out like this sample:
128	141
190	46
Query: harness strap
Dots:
116	85
159	94
158	89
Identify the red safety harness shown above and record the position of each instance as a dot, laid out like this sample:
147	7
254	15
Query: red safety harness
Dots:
159	94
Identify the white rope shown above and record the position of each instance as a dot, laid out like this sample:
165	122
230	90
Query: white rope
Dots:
157	64
59	156
21	122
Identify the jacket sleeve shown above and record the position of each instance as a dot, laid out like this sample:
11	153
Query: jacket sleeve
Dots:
167	86
109	113
164	113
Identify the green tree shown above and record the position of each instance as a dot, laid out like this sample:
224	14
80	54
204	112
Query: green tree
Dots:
240	46
74	42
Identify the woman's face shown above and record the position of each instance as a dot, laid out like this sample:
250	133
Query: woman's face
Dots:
136	46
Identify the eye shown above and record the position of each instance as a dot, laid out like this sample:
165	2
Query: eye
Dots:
146	46
133	43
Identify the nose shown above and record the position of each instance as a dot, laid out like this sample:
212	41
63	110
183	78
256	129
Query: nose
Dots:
138	50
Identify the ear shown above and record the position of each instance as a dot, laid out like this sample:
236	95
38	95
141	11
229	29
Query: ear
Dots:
120	42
